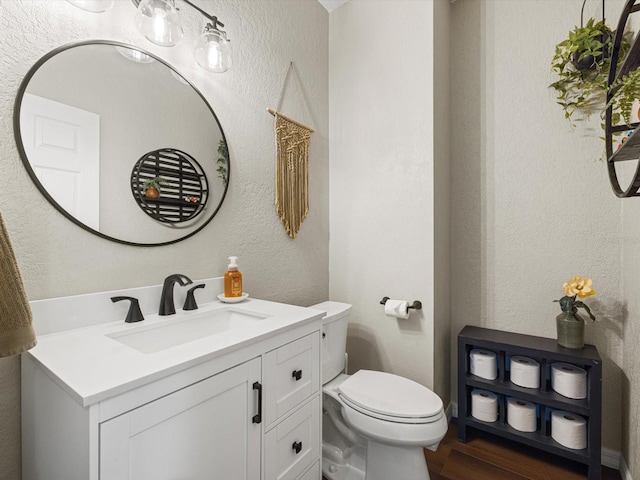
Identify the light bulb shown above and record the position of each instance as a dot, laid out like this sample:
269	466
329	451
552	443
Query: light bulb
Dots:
213	51
94	6
159	21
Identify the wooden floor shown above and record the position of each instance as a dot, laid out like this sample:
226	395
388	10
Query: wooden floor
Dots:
488	457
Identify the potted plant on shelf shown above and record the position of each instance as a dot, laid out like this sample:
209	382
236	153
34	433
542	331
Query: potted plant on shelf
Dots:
582	63
153	187
569	323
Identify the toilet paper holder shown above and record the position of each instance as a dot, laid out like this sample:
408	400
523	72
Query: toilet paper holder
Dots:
417	304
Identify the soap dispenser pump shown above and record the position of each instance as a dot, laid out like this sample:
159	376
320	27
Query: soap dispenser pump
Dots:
233	279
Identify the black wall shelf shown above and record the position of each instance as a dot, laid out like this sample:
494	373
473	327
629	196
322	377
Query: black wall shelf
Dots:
185	193
630	148
546	351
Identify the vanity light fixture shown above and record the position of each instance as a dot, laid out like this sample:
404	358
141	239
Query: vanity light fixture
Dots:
159	22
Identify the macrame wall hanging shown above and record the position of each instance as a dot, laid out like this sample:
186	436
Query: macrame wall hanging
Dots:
293	140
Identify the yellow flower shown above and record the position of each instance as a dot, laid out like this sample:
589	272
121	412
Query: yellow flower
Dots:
579	286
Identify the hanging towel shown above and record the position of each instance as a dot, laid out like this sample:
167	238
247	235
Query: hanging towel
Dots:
16	332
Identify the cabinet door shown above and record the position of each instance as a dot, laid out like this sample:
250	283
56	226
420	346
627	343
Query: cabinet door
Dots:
204	431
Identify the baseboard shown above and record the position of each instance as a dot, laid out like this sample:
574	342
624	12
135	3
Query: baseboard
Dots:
448	412
624	469
610	458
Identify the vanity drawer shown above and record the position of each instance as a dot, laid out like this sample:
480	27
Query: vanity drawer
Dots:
292	374
293	445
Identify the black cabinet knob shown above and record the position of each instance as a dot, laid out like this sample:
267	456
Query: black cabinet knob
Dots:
297	374
297	446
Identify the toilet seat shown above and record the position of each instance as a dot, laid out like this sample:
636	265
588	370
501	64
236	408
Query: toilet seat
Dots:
390	418
390	398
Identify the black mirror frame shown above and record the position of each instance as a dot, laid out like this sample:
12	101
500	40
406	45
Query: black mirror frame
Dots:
34	179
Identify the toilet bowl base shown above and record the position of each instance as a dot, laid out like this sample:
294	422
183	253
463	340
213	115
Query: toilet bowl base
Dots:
383	462
340	462
335	471
386	462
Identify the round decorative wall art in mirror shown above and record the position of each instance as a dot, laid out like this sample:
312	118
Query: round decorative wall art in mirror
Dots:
88	113
169	186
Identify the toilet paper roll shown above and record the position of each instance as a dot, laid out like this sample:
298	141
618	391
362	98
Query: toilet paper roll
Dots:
525	372
521	415
484	405
396	308
569	380
569	429
484	363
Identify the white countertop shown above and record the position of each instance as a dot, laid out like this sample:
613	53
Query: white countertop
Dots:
91	366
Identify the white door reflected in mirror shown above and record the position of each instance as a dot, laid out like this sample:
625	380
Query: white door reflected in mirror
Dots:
63	145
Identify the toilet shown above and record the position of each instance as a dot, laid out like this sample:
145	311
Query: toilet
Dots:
375	425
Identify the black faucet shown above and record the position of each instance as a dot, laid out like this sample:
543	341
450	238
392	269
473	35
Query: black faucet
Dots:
167	307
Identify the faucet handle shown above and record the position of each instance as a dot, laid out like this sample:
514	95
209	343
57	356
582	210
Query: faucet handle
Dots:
134	314
190	302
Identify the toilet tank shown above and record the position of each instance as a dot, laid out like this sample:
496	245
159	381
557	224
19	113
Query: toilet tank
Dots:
334	338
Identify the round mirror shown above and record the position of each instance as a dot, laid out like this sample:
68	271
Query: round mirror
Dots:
85	116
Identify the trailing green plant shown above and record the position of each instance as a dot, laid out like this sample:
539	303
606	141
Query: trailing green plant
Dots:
223	161
626	90
582	62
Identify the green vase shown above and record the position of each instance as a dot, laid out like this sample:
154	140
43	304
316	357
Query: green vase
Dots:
570	330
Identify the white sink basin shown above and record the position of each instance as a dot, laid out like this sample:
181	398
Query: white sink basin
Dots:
186	327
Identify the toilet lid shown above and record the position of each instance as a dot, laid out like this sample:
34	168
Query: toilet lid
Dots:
392	395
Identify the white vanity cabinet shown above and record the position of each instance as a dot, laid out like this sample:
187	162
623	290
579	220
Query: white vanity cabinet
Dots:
204	428
251	412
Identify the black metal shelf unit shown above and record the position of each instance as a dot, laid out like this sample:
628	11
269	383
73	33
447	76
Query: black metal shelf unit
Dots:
546	351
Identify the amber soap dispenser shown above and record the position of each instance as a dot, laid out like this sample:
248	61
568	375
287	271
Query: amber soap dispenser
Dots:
233	279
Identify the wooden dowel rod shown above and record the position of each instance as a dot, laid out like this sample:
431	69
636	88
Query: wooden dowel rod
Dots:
274	113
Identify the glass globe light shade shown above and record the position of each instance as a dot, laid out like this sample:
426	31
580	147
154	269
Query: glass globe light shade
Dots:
94	6
159	21
134	55
213	51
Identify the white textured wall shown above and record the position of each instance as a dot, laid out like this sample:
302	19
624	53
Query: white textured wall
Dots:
630	332
382	180
532	203
58	258
442	199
